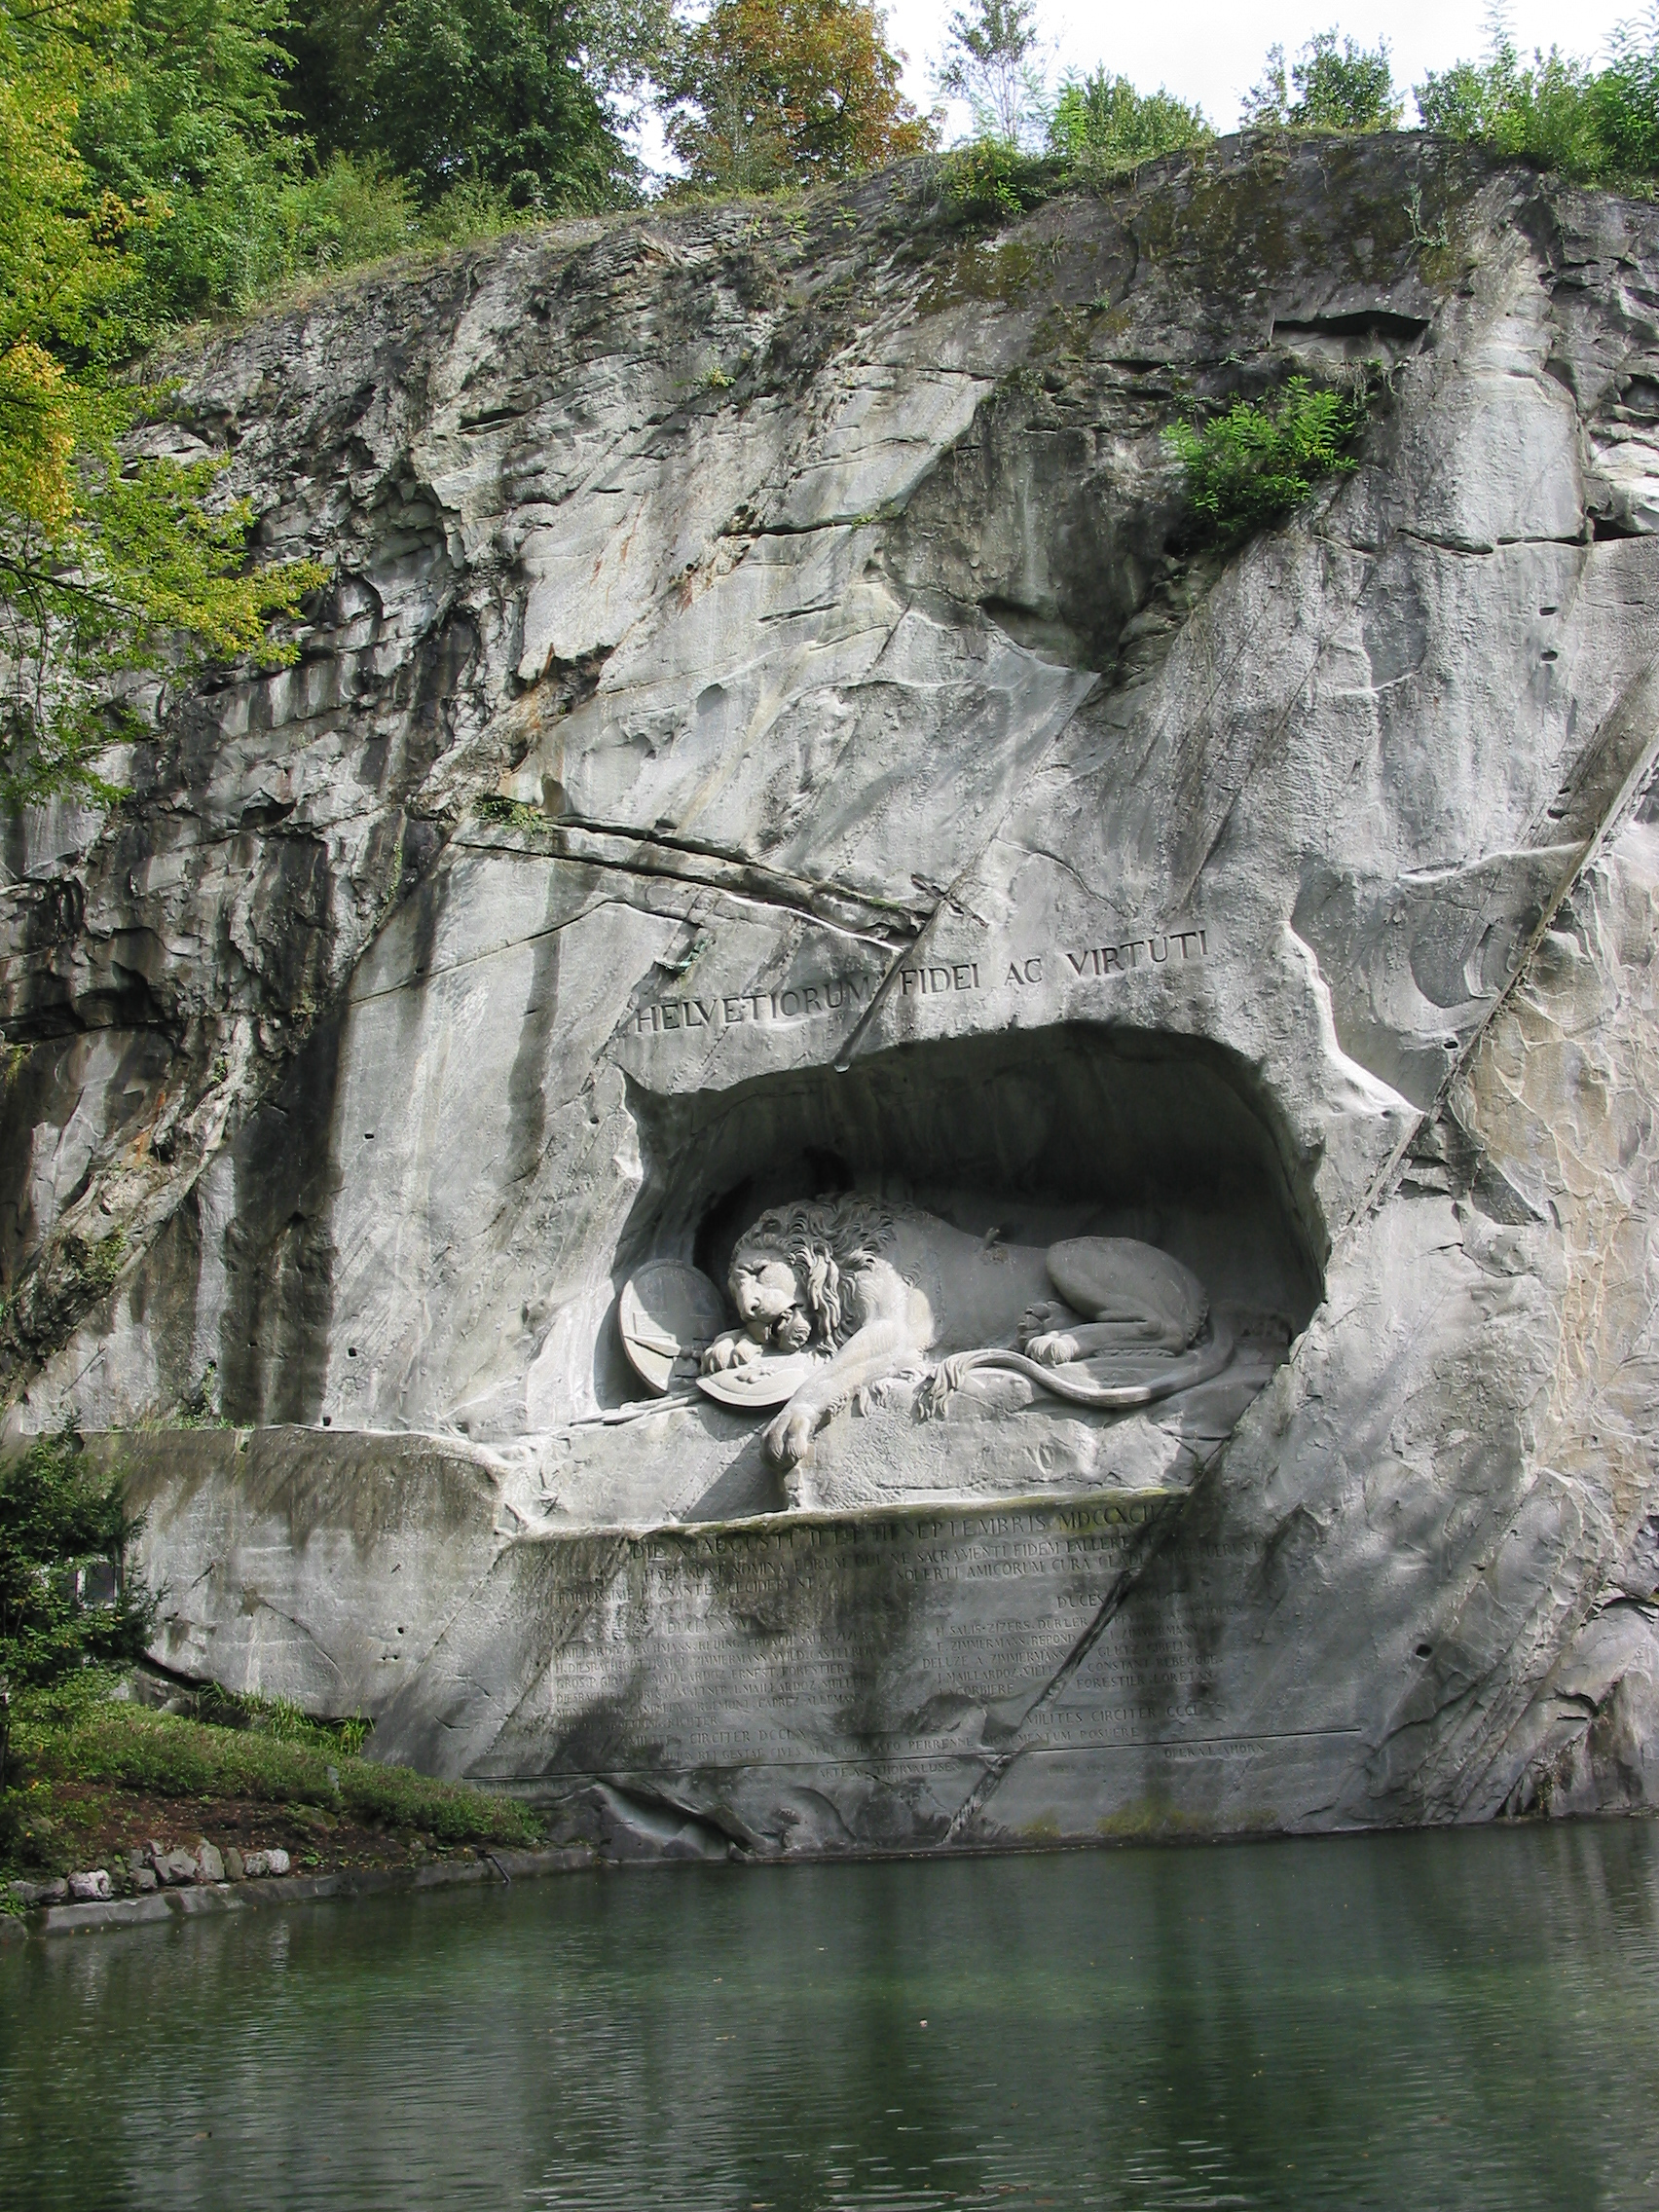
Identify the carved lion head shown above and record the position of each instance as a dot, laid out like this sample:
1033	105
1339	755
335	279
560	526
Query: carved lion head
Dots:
822	1242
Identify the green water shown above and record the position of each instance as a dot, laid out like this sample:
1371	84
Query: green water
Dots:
1451	2020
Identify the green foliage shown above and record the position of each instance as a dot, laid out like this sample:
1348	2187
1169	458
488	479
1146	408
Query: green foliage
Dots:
188	129
279	1718
993	181
96	1265
1102	120
467	212
1333	85
62	1522
345	213
338	81
493	91
1626	103
147	569
124	1746
108	565
1601	127
508	813
199	1407
253	142
1250	467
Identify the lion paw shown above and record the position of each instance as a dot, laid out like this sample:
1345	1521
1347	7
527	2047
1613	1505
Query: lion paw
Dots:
736	1348
788	1438
1057	1348
1038	1318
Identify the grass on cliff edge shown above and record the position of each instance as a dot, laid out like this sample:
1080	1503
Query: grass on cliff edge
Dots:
82	1738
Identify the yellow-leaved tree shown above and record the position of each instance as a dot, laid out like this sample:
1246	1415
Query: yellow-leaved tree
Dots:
109	563
764	95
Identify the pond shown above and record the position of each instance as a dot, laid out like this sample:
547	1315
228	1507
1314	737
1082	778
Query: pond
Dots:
1455	2021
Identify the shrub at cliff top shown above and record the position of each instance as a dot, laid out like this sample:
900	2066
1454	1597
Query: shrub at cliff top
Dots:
1332	85
1101	121
1598	125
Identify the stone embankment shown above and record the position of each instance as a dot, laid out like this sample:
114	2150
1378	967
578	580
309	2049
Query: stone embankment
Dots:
84	1904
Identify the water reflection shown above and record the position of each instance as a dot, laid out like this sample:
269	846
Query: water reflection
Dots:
1452	2020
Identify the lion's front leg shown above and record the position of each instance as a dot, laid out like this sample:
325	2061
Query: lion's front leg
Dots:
880	1347
788	1437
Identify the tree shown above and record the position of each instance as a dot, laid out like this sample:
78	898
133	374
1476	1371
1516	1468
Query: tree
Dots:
108	564
65	1599
333	46
768	93
1103	118
1337	86
991	62
489	90
189	125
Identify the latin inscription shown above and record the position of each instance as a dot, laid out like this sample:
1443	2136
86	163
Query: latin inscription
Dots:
801	1002
1156	950
822	1640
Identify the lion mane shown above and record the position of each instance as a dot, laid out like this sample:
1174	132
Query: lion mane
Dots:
826	1241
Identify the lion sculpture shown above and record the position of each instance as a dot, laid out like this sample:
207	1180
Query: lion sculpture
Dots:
878	1290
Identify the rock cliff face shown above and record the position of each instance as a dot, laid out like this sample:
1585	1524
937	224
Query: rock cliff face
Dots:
772	730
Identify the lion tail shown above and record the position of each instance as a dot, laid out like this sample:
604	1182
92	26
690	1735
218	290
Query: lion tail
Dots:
1198	1365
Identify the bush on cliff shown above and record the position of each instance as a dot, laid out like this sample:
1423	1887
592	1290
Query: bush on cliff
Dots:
1101	121
185	127
1332	85
1250	467
1597	126
257	142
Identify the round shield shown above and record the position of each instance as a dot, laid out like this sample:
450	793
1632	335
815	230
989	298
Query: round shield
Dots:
668	1309
762	1382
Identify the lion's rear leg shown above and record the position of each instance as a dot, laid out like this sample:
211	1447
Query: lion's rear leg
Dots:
1042	1317
1130	1298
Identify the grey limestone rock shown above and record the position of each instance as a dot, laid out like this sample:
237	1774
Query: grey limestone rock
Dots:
210	1866
849	779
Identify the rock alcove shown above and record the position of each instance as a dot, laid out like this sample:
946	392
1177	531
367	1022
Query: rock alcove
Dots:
1078	1129
1081	1129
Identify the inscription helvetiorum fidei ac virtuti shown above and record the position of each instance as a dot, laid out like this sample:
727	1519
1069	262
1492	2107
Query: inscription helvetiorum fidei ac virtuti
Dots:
861	1150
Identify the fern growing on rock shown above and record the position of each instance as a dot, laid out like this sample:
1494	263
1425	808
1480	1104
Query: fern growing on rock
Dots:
1251	466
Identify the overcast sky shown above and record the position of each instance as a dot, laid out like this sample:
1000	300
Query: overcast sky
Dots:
1211	55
